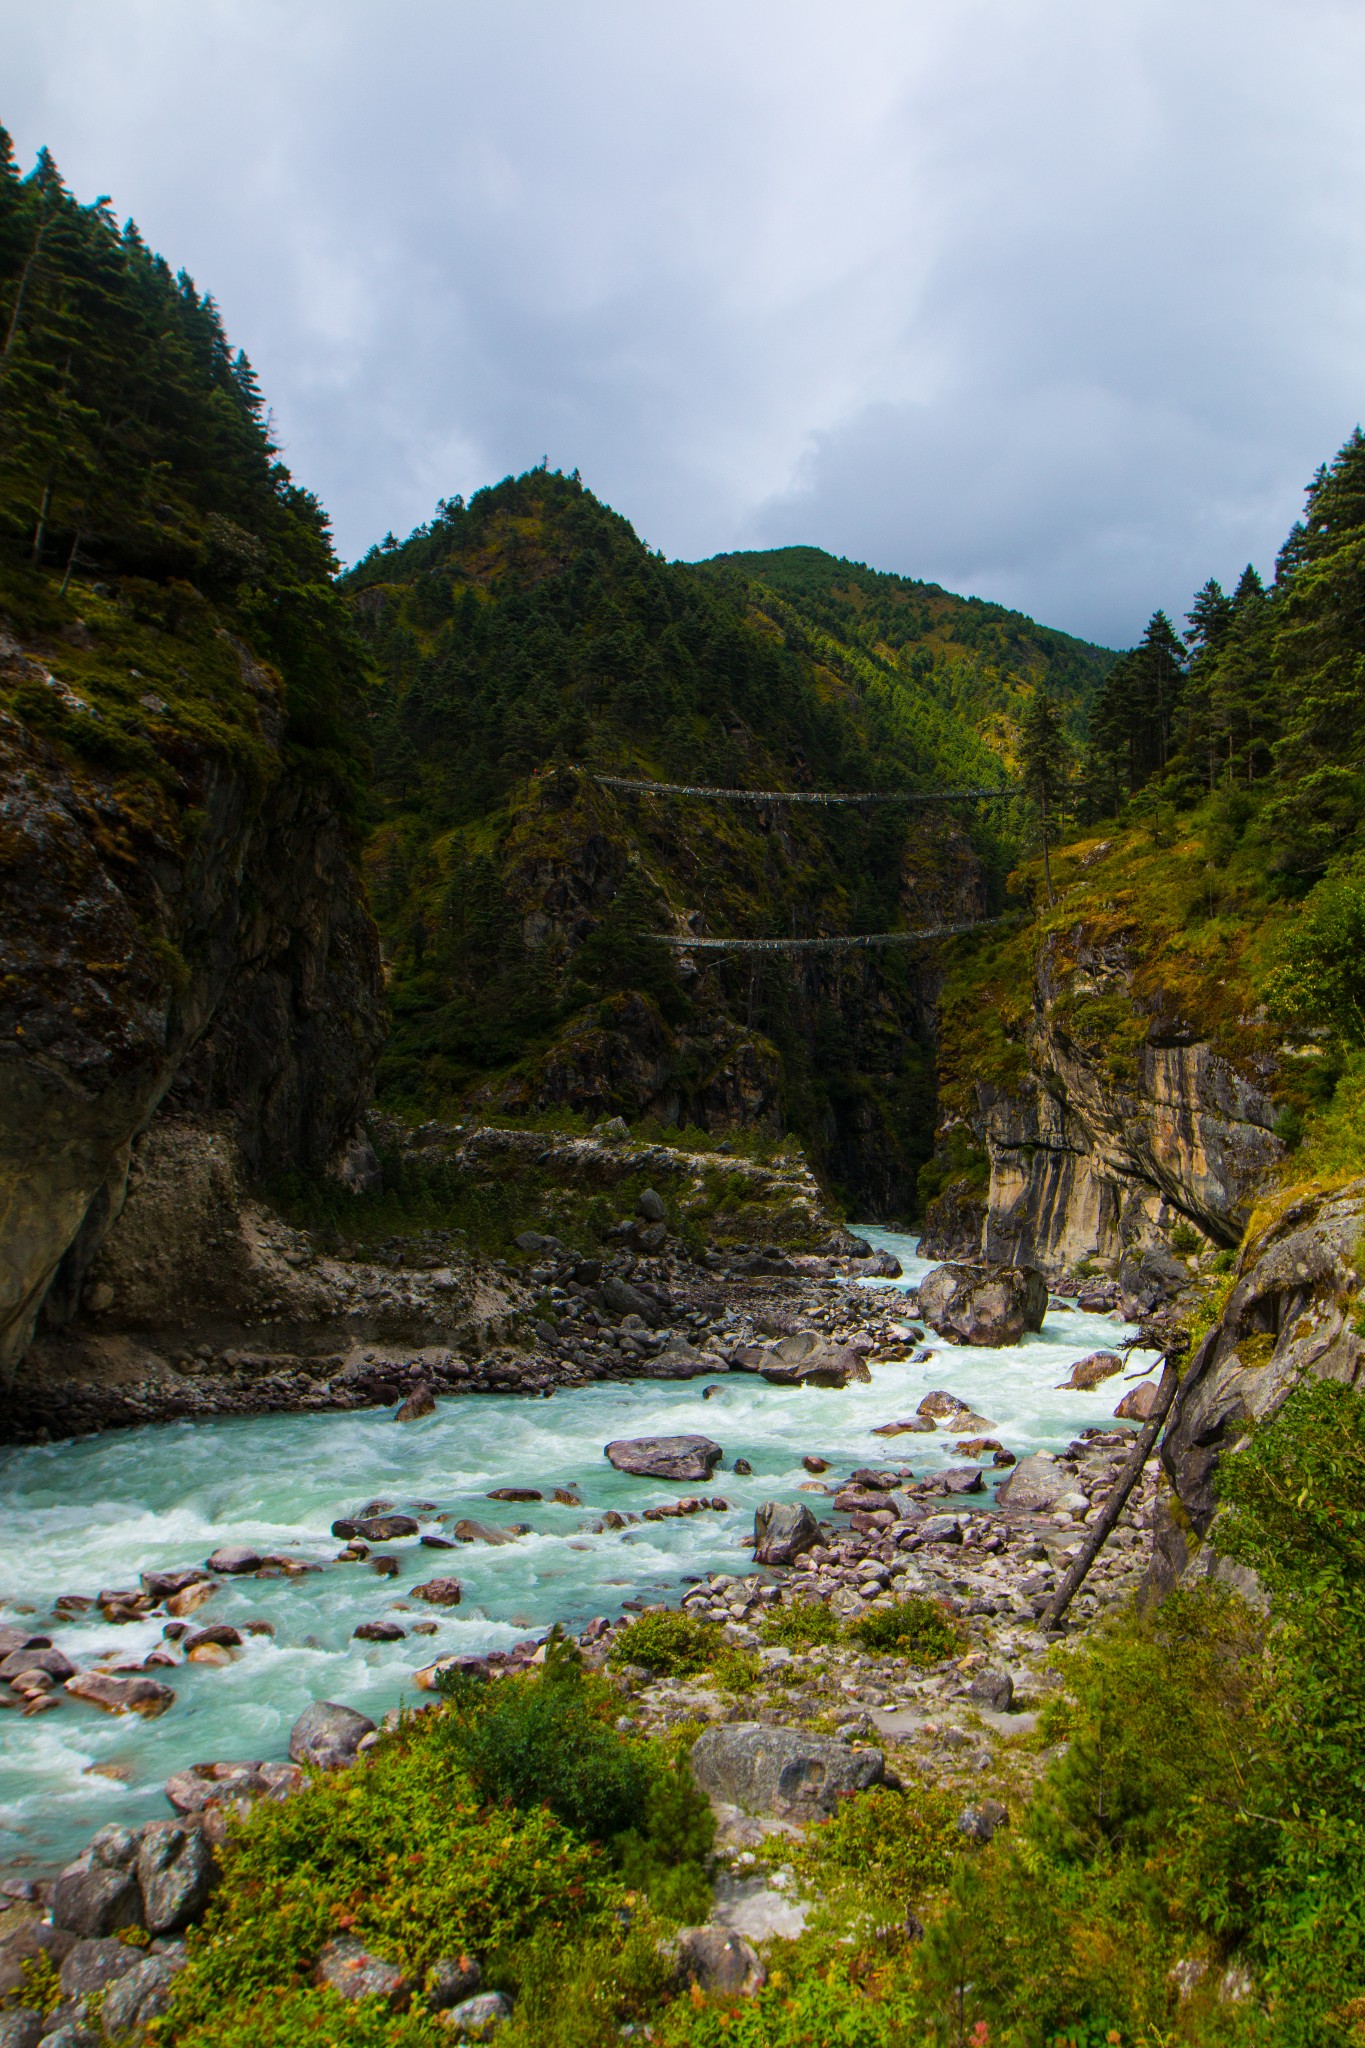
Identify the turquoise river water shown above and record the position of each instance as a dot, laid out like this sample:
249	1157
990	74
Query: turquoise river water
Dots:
81	1515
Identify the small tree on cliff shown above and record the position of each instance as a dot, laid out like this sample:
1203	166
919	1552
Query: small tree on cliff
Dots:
1045	763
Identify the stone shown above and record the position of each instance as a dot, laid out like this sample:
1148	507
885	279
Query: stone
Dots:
326	1736
379	1632
437	1542
665	1457
119	1695
421	1401
176	1873
782	1531
814	1464
161	1585
142	1995
481	1532
717	1960
92	1900
983	1306
232	1558
941	1528
478	2018
438	1592
220	1633
350	1969
57	1665
12	1639
93	1964
1034	1485
1138	1403
450	1979
780	1770
650	1206
192	1598
992	1689
1091	1370
743	1469
385	1528
20	2027
960	1479
514	1493
915	1425
624	1300
981	1823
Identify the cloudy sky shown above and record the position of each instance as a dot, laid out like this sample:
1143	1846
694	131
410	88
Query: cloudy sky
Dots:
1057	301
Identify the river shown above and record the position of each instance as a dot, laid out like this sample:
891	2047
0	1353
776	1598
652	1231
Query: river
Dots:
93	1513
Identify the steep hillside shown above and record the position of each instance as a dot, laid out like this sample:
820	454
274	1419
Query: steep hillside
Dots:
528	639
180	753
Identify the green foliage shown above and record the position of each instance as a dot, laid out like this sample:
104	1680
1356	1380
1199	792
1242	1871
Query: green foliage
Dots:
667	1642
892	1848
1185	1239
829	2006
802	1625
915	1628
1322	980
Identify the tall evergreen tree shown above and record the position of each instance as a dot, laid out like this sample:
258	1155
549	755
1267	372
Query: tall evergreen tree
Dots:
1045	765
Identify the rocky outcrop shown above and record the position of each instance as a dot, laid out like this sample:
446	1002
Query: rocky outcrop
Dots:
203	940
1289	1315
1113	1136
972	1306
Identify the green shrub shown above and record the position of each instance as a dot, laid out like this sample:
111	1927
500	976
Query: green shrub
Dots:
802	1625
735	1670
915	1628
827	2008
891	1847
1185	1240
667	1642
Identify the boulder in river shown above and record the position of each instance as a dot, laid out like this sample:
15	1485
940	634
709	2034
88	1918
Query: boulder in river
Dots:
466	1531
959	1479
1035	1485
385	1528
55	1663
1095	1367
327	1735
122	1695
235	1557
781	1771
515	1493
161	1585
421	1401
782	1531
438	1592
665	1457
983	1305
914	1425
176	1873
1137	1404
379	1632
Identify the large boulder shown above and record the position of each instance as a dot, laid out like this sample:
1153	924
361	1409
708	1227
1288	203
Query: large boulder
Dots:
122	1695
94	1901
326	1735
1093	1369
624	1300
176	1873
1035	1484
804	1359
1138	1403
983	1305
782	1530
143	1994
780	1770
665	1457
90	1965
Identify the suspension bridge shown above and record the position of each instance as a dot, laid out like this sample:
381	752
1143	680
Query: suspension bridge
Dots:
826	945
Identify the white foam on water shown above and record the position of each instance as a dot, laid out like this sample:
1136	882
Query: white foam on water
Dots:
95	1513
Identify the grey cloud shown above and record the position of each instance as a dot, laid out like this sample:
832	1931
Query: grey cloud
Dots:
1048	301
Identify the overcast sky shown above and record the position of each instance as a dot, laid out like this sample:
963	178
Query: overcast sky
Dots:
1056	301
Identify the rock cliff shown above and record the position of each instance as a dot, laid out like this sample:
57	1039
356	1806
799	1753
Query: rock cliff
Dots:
194	933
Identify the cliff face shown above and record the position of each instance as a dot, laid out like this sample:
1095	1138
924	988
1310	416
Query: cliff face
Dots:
209	941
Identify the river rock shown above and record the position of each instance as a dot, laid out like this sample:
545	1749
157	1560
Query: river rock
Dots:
514	1493
478	2018
191	1599
941	1528
992	1689
624	1300
143	1994
232	1558
981	1305
21	2027
120	1695
914	1425
350	1969
93	1964
421	1401
665	1457
781	1771
161	1585
1034	1485
327	1736
1138	1403
481	1532
220	1633
378	1632
438	1592
782	1531
93	1900
385	1528
55	1663
1096	1366
959	1479
717	1960
176	1873
12	1639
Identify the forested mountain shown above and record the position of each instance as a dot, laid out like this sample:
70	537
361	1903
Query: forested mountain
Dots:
529	635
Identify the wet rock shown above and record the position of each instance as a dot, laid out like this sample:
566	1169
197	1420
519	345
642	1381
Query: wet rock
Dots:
233	1558
449	1980
219	1633
93	1964
814	1464
992	1689
1138	1403
1034	1485
514	1493
438	1592
121	1695
437	1542
143	1995
421	1401
780	1770
983	1306
478	2019
378	1632
327	1736
1094	1368
385	1528
192	1598
665	1457
350	1969
55	1663
160	1586
914	1425
94	1900
959	1479
717	1960
481	1532
743	1469
782	1531
12	1639
176	1873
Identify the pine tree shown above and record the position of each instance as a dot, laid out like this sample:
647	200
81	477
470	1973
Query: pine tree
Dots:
1045	765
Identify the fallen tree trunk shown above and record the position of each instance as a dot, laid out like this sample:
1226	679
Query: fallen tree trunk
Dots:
1117	1501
